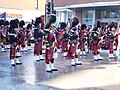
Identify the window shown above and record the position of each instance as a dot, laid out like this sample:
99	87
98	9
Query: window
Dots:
35	4
110	14
88	17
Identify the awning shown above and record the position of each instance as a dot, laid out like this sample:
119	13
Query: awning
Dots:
61	9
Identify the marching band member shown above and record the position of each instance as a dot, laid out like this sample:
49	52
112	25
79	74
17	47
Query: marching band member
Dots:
83	39
13	42
38	36
5	33
65	39
49	40
95	41
2	38
59	37
111	38
73	53
29	35
21	36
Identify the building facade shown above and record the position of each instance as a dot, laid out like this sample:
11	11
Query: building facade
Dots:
22	9
88	10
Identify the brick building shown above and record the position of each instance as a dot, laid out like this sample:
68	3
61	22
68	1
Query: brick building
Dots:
88	10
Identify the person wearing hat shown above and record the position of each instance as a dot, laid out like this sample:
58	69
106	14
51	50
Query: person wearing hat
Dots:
5	33
73	49
38	36
49	40
13	40
2	38
59	37
111	40
65	38
21	36
29	35
83	39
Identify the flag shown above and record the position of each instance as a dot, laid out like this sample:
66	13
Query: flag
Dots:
3	15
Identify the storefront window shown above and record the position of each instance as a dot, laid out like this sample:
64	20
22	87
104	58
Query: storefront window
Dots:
115	13
105	14
110	14
88	17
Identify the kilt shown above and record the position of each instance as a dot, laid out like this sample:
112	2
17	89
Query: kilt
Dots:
38	48
12	52
59	44
64	46
73	48
49	54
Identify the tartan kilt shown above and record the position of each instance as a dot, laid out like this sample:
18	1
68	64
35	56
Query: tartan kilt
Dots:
23	43
49	53
59	44
38	47
12	52
28	43
73	48
64	46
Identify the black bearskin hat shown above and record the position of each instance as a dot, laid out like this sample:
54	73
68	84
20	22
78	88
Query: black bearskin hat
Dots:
95	29
75	21
13	24
38	21
111	24
22	23
17	21
52	18
98	24
1	22
6	23
29	26
83	26
63	25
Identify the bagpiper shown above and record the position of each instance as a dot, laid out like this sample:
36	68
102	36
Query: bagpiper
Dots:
29	36
65	39
2	38
59	37
50	41
111	39
73	49
83	39
5	34
21	36
13	40
38	36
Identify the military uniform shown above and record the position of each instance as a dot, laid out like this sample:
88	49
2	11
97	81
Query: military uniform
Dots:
50	43
13	40
73	49
83	39
38	36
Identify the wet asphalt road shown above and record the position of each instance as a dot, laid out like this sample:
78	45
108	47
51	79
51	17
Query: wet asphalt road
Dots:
31	74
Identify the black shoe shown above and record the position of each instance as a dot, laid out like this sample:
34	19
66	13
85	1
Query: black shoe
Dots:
73	64
13	65
96	59
49	71
55	69
37	60
42	59
18	63
78	63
